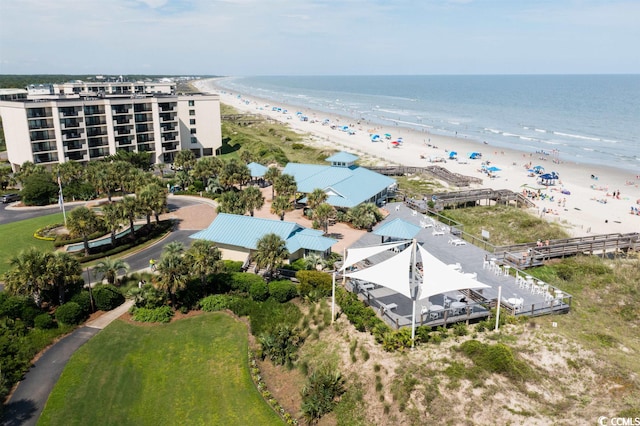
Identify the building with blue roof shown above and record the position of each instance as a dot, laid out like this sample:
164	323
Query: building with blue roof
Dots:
237	236
257	170
346	184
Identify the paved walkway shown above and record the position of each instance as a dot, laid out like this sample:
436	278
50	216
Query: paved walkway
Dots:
27	402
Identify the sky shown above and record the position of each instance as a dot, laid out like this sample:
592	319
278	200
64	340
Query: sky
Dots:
319	37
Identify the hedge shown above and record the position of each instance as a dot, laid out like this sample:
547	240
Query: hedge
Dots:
282	291
162	314
107	297
70	314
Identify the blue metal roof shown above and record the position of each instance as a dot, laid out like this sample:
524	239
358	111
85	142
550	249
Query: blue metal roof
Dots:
346	186
257	170
342	157
245	231
398	228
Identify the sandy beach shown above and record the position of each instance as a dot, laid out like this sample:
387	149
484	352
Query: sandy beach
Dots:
585	205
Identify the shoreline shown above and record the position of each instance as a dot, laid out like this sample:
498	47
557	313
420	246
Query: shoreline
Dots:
588	206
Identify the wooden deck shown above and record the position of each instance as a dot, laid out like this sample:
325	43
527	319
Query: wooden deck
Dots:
455	179
477	196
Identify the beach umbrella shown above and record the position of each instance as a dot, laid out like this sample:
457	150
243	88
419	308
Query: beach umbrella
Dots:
452	155
387	135
494	169
395	143
474	155
375	138
400	140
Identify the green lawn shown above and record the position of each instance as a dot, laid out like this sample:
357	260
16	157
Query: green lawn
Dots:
192	371
18	236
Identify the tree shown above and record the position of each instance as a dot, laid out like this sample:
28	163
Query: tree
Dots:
5	177
184	160
29	274
39	189
109	269
234	173
113	218
204	258
206	168
281	205
64	270
364	216
99	174
322	213
120	172
253	199
82	222
315	198
285	185
130	208
28	169
184	179
153	199
270	176
246	156
173	275
231	202
69	171
173	248
271	252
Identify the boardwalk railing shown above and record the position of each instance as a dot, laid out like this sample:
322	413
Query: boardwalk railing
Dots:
455	179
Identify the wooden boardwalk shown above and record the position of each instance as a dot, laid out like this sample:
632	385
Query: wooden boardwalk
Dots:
477	196
455	179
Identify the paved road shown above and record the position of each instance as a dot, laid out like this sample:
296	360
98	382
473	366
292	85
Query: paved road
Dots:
15	215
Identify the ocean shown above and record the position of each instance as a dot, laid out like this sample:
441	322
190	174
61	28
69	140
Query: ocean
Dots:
586	119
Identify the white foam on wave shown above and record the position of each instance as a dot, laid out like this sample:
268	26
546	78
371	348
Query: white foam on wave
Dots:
393	111
525	138
588	149
510	134
497	132
569	135
454	123
540	130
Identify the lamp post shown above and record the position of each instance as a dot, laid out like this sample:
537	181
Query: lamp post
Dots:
90	291
333	297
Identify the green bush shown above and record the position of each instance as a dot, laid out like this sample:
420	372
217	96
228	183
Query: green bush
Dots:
44	322
497	358
162	314
107	297
282	291
281	344
241	281
314	284
259	291
321	393
83	299
216	302
18	307
232	265
70	314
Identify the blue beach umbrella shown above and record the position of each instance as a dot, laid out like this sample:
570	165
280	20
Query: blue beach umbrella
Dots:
452	155
494	169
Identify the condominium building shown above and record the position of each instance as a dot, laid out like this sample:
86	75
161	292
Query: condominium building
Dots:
76	127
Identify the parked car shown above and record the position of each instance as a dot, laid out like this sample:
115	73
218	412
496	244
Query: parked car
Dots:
10	198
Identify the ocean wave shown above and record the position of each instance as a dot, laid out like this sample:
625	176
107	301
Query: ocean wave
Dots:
569	135
393	111
510	134
588	149
525	138
497	132
540	130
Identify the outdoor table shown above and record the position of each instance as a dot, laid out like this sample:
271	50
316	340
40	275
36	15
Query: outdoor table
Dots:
392	306
457	307
369	286
513	301
436	308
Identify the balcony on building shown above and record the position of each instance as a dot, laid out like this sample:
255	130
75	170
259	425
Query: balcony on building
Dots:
96	131
146	147
69	112
121	109
123	119
167	117
145	138
93	110
42	135
144	128
76	156
168	106
143	118
39	112
123	130
168	147
70	123
45	158
97	142
146	107
39	123
96	121
68	135
73	146
124	140
43	147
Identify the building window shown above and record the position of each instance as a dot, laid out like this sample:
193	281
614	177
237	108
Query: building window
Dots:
192	103
193	131
192	112
194	139
192	121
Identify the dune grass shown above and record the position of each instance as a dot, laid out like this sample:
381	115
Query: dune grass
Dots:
192	371
18	236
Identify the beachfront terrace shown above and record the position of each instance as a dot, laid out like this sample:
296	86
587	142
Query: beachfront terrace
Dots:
520	294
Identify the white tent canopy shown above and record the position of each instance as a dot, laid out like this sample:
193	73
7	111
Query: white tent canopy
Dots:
355	255
439	278
393	273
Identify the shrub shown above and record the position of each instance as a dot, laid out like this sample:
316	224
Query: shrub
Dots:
241	281
70	314
217	302
258	291
21	307
282	291
44	322
321	394
107	297
83	299
314	284
497	358
460	329
162	314
232	266
281	345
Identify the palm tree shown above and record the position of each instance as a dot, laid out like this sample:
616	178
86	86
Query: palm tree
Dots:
184	160
271	252
270	176
231	202
99	175
29	274
109	269
153	199
315	198
322	213
253	199
173	275
130	208
64	270
113	217
174	248
246	156
313	260
234	173
203	258
120	172
364	216
83	222
281	205
205	168
285	185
